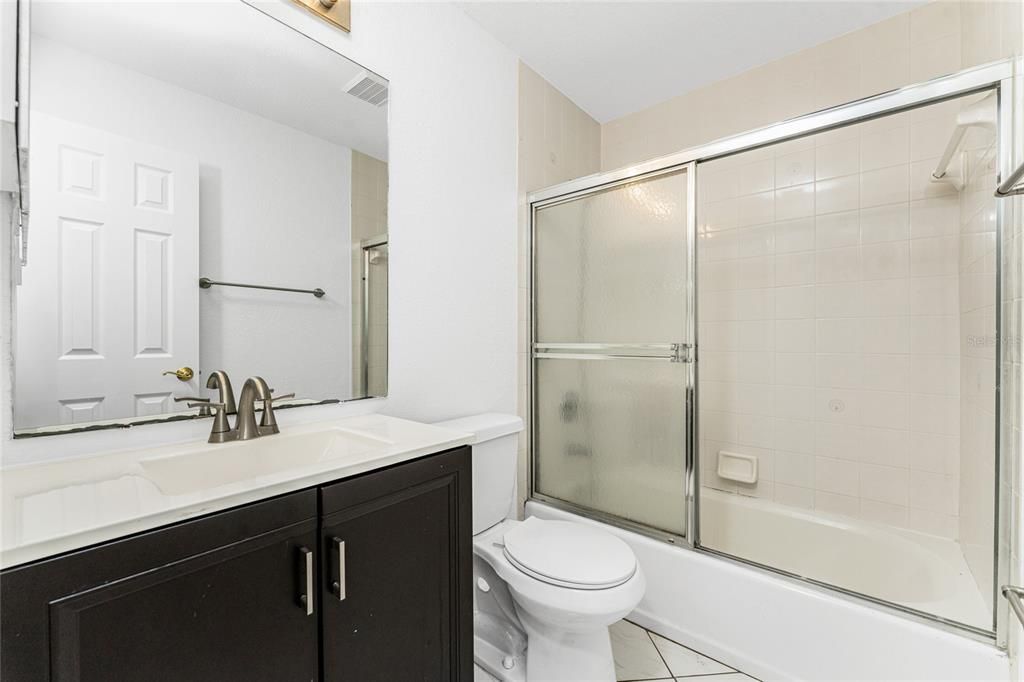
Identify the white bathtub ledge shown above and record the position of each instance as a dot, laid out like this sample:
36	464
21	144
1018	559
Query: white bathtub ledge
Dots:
777	629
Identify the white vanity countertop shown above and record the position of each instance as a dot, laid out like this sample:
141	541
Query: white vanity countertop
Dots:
54	507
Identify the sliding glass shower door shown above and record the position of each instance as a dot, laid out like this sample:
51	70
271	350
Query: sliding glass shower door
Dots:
853	268
612	372
848	334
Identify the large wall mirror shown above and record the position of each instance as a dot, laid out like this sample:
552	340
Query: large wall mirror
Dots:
208	191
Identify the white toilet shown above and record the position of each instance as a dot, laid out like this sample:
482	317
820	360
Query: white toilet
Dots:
545	591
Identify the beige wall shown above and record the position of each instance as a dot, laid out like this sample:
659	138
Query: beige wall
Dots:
935	39
558	141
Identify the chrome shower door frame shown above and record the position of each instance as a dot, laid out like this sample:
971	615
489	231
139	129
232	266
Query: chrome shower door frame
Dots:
684	352
997	76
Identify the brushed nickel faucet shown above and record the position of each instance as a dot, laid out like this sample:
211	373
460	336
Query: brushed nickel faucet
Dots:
219	380
245	424
255	388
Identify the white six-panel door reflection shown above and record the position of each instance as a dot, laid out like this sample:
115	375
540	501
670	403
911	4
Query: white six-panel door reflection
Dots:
110	301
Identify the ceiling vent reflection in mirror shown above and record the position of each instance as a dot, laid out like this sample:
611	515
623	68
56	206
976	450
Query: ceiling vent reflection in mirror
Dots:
369	88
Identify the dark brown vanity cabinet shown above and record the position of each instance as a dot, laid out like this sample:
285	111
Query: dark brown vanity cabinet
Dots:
253	594
396	553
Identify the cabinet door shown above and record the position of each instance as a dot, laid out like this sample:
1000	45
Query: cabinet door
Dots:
397	573
237	610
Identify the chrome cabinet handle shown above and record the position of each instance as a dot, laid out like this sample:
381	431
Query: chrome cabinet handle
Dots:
338	586
306	594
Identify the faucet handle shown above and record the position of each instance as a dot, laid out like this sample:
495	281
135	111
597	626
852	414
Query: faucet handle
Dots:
221	430
202	403
268	422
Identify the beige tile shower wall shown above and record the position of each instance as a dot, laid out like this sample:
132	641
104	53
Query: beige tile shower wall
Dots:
830	321
369	219
558	141
977	295
932	40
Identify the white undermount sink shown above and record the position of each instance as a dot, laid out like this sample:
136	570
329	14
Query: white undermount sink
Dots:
198	467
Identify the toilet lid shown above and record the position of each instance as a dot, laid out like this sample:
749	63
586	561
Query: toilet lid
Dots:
569	554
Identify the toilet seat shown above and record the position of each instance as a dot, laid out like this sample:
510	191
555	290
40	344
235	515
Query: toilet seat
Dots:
567	554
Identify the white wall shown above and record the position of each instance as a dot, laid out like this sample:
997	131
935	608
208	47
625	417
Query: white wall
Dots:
452	216
273	209
8	182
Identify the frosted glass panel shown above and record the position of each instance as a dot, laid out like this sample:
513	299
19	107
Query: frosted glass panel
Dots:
611	437
611	266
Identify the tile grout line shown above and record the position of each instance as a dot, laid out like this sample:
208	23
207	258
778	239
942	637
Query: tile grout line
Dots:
699	653
671	673
731	671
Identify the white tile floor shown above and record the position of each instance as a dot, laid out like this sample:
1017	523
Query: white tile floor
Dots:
644	655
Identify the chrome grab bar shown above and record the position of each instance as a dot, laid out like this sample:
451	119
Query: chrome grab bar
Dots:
206	283
1008	187
1013	595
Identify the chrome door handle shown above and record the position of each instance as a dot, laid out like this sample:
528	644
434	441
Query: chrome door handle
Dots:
338	586
306	589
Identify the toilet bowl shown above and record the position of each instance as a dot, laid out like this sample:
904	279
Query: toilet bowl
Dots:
565	598
545	591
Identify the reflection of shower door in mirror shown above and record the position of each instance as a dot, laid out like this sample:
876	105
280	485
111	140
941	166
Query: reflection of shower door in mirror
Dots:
114	302
375	317
612	349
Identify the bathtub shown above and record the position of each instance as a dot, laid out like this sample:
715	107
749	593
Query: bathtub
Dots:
915	570
777	628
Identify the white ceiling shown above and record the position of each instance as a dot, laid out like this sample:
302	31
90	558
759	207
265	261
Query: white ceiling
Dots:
230	52
614	58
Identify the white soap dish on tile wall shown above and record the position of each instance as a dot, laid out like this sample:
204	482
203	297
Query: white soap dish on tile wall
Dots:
733	466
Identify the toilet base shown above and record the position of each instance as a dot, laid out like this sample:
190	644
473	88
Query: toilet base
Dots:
567	656
494	661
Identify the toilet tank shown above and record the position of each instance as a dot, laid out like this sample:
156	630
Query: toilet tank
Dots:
495	454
